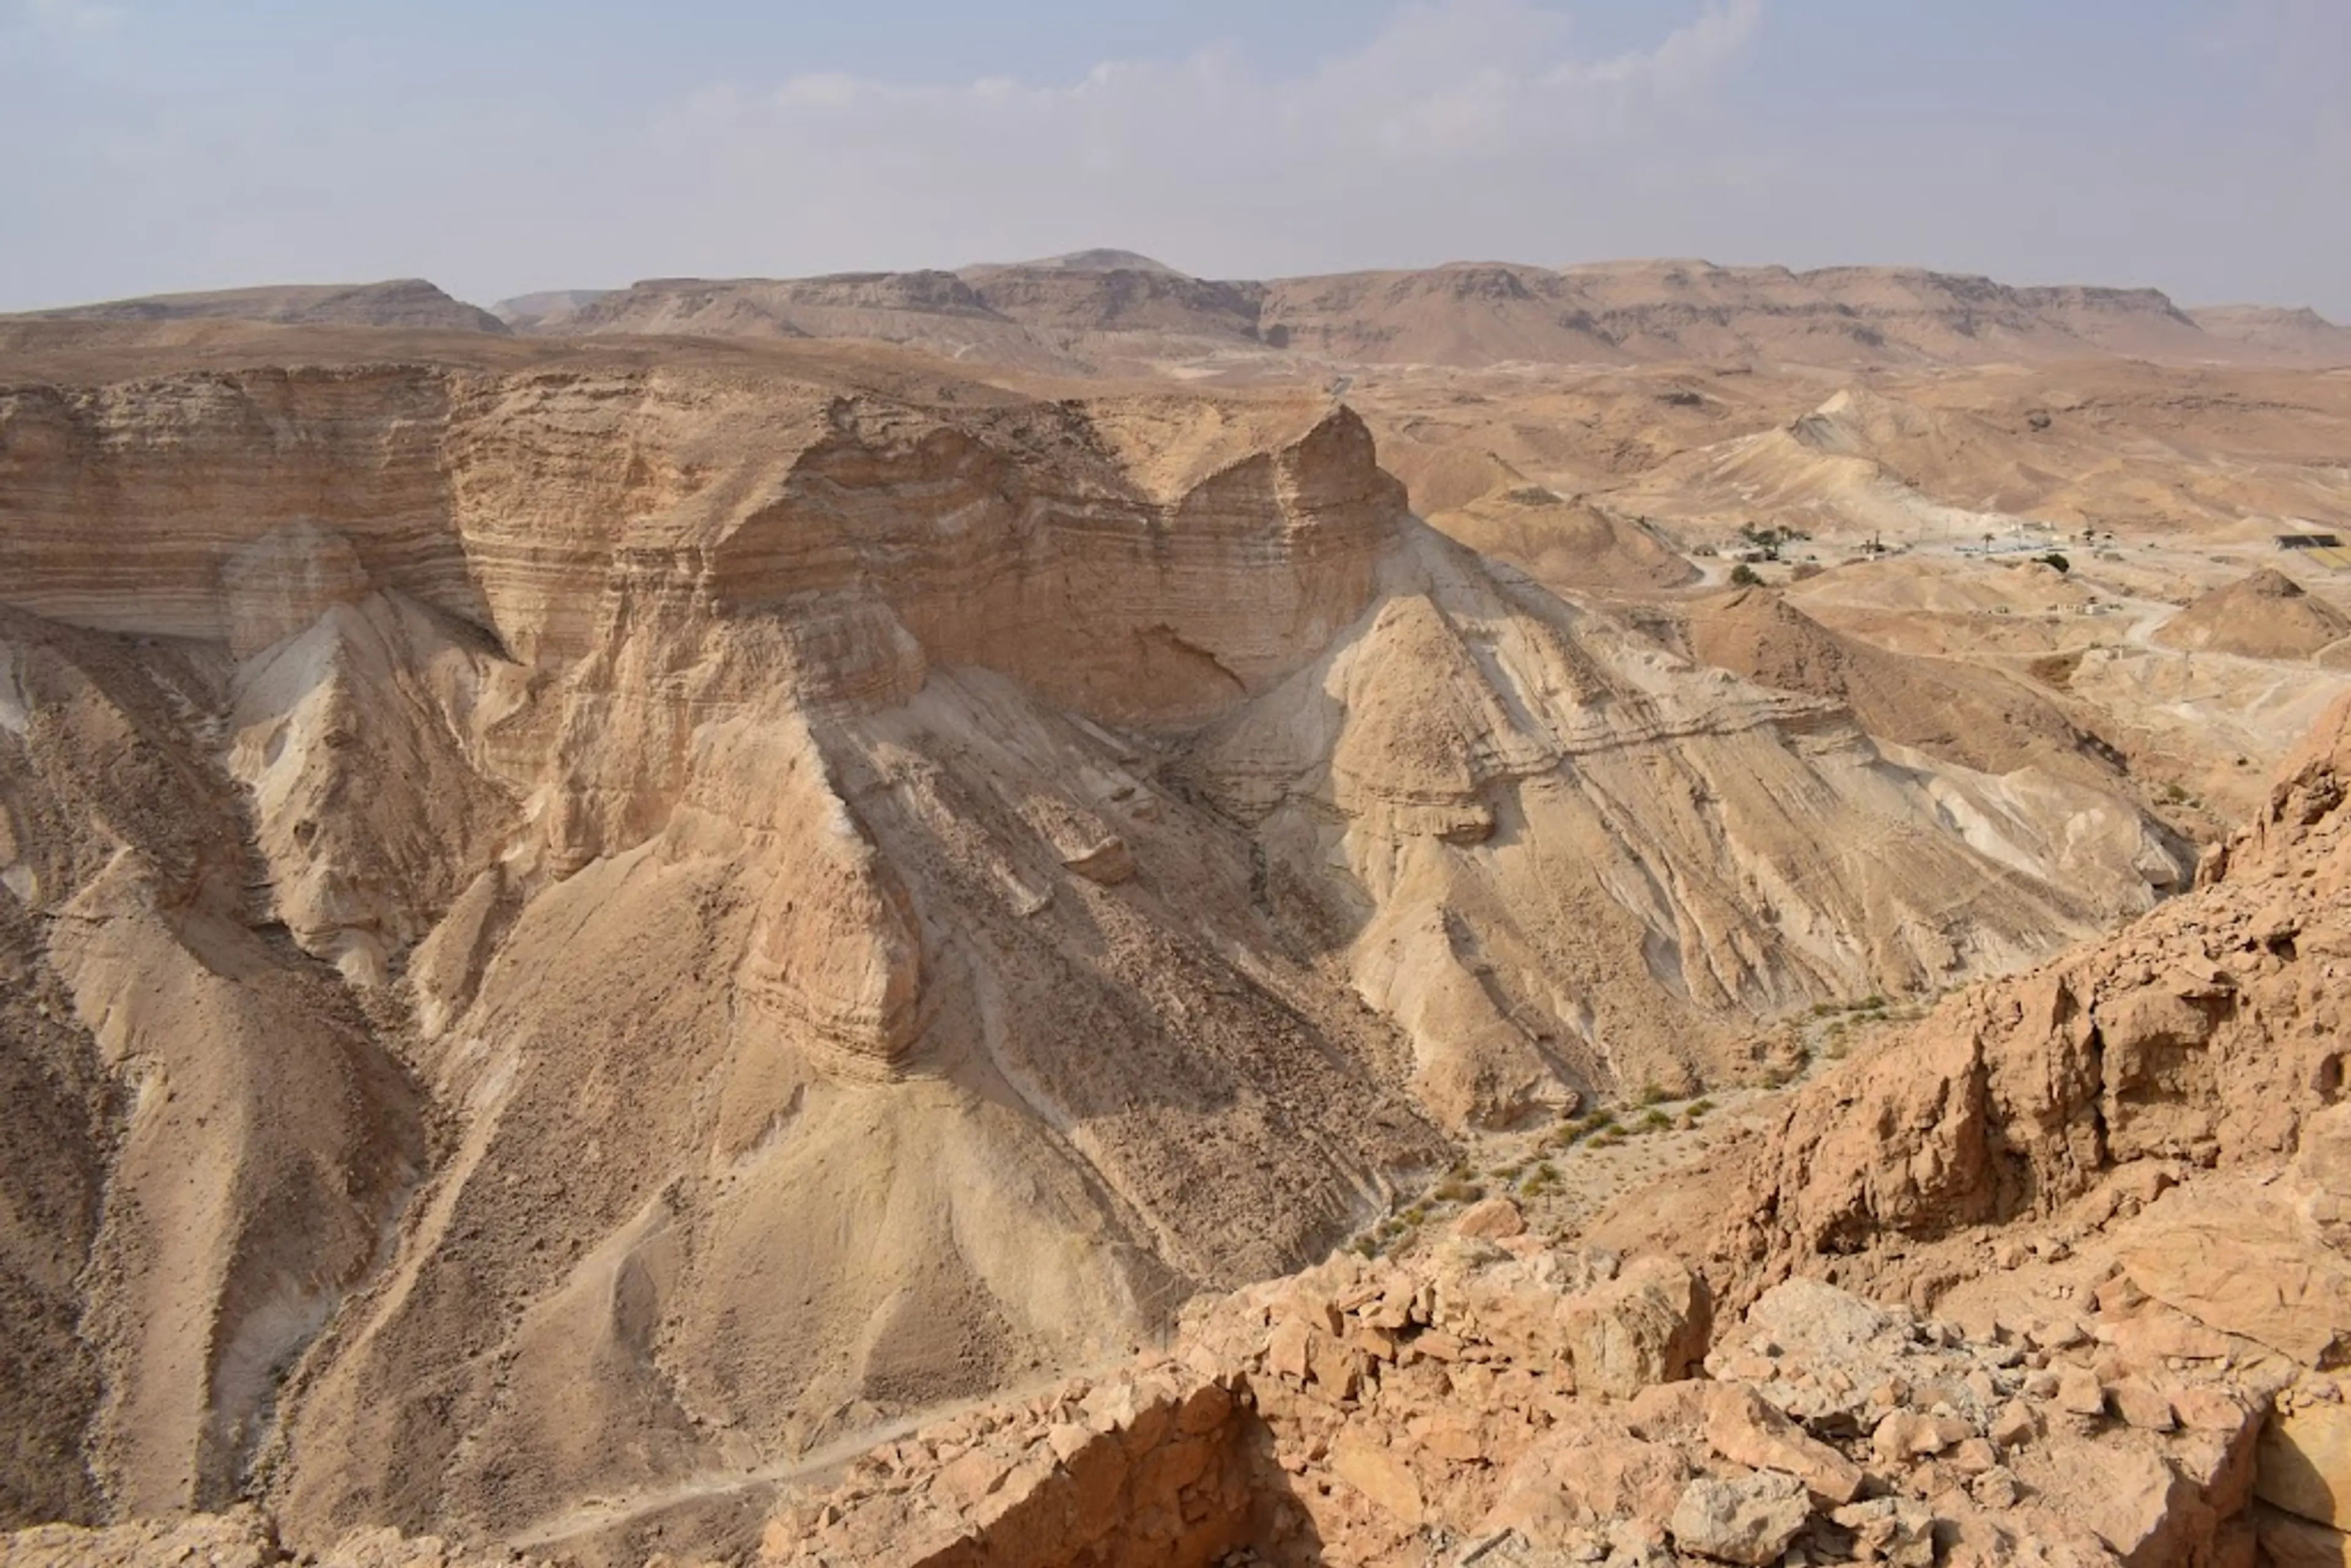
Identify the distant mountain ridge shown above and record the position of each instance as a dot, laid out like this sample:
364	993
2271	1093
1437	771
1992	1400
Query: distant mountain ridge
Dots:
1101	306
2286	331
1106	309
406	302
546	308
1101	258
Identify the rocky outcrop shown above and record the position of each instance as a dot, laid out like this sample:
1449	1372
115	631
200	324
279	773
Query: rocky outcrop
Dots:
1339	1416
232	504
1445	1410
2123	1169
839	900
2266	615
2202	1036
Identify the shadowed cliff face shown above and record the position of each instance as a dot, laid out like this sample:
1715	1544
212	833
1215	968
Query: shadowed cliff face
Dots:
217	1143
869	896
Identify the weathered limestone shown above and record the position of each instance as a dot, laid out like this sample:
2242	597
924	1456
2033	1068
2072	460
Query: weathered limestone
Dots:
227	504
2205	1034
1148	1470
2306	1462
802	818
1750	1520
1379	1413
1648	1325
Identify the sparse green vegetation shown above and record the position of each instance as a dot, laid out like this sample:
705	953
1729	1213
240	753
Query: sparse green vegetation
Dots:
1699	1107
1745	576
1770	540
1456	1189
1653	1121
1568	1134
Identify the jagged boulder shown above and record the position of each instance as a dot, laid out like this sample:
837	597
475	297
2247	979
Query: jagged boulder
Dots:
1379	1410
1648	1325
1750	1520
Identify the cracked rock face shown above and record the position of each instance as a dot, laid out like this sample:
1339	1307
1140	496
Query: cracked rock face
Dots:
1437	1410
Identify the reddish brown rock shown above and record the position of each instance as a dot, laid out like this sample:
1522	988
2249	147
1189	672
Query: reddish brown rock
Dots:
2305	1463
1747	1520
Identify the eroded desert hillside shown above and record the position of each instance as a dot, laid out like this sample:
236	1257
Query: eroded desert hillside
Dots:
597	923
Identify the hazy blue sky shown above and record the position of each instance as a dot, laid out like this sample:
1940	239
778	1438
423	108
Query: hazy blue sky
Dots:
2203	146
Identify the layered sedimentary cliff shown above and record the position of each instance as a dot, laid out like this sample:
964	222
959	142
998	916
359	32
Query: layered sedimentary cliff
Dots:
611	928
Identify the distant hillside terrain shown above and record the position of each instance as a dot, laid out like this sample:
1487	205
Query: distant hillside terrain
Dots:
406	302
2296	336
1104	308
1107	311
549	308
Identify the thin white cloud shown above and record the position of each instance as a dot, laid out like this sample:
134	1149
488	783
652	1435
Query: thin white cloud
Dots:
1686	64
65	18
819	90
1455	77
1448	100
35	30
